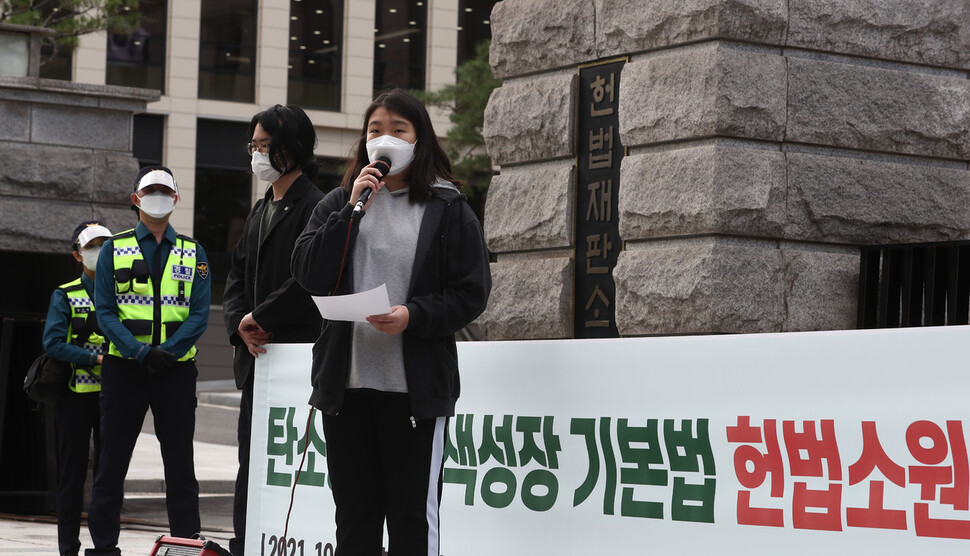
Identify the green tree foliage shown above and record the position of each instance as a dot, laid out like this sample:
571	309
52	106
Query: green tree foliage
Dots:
465	101
69	19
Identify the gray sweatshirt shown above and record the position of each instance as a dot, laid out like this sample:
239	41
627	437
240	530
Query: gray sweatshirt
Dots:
384	254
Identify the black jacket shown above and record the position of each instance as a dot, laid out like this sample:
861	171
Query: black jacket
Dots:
449	287
280	306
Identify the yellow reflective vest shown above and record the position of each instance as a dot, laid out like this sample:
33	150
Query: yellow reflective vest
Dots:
81	305
152	317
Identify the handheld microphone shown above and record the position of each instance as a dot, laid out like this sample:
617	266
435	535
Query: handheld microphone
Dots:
383	166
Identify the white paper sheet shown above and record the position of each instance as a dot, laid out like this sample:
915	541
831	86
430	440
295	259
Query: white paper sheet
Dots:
356	306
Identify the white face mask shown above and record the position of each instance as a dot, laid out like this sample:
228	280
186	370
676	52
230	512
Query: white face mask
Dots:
158	204
263	169
399	151
89	257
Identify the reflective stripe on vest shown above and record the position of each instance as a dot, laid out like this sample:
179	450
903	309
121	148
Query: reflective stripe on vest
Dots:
135	293
82	305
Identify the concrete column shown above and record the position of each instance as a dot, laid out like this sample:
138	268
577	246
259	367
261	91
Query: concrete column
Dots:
358	59
67	158
180	104
442	53
442	43
90	58
272	53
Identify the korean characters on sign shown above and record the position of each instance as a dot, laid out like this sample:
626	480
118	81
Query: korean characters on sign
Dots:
936	471
503	460
599	154
286	443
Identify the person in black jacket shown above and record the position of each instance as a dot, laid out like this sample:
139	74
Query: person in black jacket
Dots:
262	302
386	386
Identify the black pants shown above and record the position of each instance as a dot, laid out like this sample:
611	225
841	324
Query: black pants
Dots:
76	419
239	506
383	468
126	394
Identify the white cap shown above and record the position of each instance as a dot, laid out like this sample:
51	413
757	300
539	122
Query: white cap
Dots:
93	231
160	177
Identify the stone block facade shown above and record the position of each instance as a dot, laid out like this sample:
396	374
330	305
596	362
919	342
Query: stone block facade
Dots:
66	158
766	142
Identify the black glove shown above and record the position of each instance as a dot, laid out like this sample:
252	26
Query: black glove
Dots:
158	361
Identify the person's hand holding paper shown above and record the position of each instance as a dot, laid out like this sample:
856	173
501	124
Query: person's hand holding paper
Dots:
391	323
355	307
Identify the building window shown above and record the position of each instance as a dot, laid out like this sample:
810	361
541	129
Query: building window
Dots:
227	50
223	186
148	139
139	60
56	62
60	66
316	50
400	42
473	26
331	172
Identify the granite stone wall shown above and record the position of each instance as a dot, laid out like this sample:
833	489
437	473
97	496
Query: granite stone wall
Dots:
767	140
66	157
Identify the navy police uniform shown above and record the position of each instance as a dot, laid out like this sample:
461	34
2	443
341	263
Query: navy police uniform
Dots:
148	295
76	414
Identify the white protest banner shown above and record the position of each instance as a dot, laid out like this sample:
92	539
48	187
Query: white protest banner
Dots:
801	443
281	388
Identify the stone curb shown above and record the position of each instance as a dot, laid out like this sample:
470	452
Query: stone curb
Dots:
135	487
227	399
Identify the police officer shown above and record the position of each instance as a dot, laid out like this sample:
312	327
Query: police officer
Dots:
70	315
152	296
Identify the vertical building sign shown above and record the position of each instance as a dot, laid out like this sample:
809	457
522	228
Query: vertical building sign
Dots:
598	242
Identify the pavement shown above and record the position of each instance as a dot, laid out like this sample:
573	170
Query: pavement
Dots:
143	517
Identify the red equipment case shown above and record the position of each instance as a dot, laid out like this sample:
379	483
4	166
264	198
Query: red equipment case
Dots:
175	546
